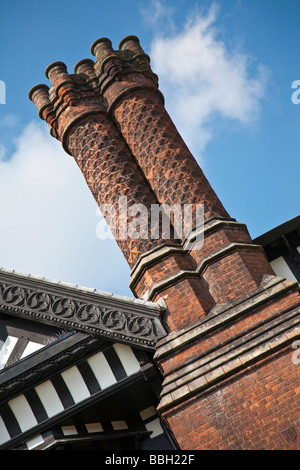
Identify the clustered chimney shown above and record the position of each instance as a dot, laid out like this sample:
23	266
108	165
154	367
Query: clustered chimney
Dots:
220	292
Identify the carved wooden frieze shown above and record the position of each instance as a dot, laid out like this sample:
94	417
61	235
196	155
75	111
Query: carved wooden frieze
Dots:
140	329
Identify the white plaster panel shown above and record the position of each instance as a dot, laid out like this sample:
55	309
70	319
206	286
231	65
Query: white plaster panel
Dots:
4	435
281	269
34	441
154	427
75	384
127	358
102	370
23	413
6	350
49	398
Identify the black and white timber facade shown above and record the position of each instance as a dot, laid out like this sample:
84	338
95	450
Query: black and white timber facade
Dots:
76	368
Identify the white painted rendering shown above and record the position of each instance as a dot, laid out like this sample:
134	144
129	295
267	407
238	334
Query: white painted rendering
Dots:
94	427
34	441
281	269
119	425
23	413
154	427
147	413
69	430
6	350
127	358
4	435
75	384
49	398
102	370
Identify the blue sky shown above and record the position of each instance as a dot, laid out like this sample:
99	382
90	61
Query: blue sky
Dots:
226	69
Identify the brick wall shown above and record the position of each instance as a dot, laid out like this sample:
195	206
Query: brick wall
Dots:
257	409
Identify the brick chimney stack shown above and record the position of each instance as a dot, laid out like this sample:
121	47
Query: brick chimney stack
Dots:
77	117
77	114
135	104
229	381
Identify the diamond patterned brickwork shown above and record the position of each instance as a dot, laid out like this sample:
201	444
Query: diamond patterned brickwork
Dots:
167	163
130	89
109	171
77	117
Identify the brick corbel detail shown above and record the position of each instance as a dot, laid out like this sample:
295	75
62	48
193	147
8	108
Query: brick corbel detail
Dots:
217	354
178	273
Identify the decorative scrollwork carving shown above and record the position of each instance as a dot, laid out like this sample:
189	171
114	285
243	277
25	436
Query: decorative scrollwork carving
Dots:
45	306
115	319
89	313
141	326
13	295
64	308
38	300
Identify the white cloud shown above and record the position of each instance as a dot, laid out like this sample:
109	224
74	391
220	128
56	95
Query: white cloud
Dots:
9	120
2	151
49	218
157	14
202	79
